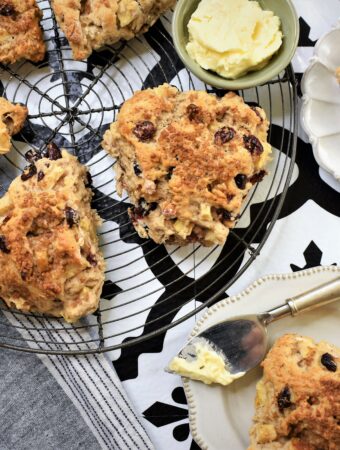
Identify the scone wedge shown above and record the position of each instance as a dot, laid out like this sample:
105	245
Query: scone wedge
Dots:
12	118
21	35
49	255
298	398
187	161
90	24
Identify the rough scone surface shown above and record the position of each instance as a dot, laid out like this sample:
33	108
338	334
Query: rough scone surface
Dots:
12	118
90	24
337	74
187	160
20	32
298	398
49	256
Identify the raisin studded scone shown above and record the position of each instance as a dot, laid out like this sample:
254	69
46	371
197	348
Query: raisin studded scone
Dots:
20	32
12	118
298	398
187	160
49	256
90	24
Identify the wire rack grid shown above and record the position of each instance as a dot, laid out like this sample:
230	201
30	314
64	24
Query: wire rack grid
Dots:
149	289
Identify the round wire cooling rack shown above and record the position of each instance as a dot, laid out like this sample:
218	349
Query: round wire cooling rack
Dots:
148	289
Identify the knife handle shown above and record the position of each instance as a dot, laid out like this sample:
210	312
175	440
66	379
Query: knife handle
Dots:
316	297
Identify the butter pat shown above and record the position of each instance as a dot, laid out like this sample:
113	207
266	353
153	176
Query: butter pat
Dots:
208	367
232	37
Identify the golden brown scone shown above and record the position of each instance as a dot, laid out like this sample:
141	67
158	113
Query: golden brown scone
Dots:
90	24
298	398
20	32
187	160
12	118
49	256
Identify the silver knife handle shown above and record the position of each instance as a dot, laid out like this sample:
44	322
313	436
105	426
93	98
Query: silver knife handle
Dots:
316	297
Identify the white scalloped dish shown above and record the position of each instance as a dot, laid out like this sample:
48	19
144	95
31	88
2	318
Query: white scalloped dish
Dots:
320	114
220	417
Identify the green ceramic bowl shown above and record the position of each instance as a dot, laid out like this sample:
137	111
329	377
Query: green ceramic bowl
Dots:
290	28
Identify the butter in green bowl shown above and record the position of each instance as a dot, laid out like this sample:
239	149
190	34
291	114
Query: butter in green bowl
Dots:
289	27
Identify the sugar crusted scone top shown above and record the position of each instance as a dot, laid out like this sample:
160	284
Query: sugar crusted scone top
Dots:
48	243
12	118
21	35
90	24
298	398
199	139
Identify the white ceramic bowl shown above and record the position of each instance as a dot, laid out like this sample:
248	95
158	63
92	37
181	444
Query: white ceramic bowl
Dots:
320	115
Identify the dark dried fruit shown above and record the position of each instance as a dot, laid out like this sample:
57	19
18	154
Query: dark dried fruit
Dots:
32	156
88	180
252	144
29	172
284	399
3	245
230	197
257	112
92	260
7	10
53	152
241	181
137	169
194	112
224	135
328	361
145	130
153	206
142	210
226	215
257	177
72	216
24	275
40	175
168	176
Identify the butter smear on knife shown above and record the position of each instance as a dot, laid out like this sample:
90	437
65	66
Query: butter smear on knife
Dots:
208	366
232	37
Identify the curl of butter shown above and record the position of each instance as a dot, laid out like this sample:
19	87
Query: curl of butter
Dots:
208	367
232	37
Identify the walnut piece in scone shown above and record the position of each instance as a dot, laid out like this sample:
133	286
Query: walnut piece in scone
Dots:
187	161
49	256
20	32
12	118
298	398
91	24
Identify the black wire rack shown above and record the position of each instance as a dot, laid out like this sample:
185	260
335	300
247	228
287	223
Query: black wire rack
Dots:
149	289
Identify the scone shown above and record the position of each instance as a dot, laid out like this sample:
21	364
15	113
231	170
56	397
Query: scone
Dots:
90	24
20	32
49	256
12	118
187	160
298	398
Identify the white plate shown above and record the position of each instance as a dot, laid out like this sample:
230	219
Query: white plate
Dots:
320	114
220	417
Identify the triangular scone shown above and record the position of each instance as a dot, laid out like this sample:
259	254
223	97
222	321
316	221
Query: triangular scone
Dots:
90	24
298	398
12	118
49	256
20	31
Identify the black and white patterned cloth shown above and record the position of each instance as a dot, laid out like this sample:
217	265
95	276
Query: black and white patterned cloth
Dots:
79	402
